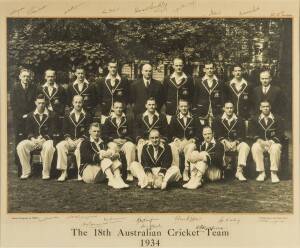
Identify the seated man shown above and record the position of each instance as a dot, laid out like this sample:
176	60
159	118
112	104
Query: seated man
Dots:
155	170
98	163
117	132
40	127
147	121
267	131
75	126
184	129
207	161
230	131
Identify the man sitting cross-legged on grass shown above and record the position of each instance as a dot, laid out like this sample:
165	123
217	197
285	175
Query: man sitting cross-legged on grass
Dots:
207	161
156	169
98	162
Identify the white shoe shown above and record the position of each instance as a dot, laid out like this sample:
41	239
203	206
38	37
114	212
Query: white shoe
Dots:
261	177
164	185
121	182
63	176
195	184
24	177
239	175
187	185
79	178
129	176
143	184
274	177
185	176
45	177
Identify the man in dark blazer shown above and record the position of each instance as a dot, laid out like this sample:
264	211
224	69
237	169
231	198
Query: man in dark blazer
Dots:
207	161
75	130
184	130
268	92
145	122
144	88
110	89
208	96
22	102
85	89
239	92
267	132
40	128
118	133
230	131
156	169
177	86
98	162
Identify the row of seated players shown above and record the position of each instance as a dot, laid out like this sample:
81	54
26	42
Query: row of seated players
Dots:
157	154
206	95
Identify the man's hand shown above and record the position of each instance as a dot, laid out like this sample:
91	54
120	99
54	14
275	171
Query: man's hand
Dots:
158	181
141	142
192	140
120	141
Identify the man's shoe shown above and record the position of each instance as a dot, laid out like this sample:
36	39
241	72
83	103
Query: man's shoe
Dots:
143	184
121	182
163	185
24	177
129	176
187	185
261	177
185	176
195	184
274	177
45	177
63	176
239	175
79	178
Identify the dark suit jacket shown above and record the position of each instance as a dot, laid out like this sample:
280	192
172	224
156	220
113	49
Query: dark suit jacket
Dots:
89	154
232	132
108	95
272	131
164	158
216	153
88	93
143	128
139	94
172	92
203	96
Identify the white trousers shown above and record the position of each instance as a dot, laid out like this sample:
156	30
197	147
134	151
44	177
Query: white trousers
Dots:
26	146
243	151
137	170
63	148
128	148
274	151
182	146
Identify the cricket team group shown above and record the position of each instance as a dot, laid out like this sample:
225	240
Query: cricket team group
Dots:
180	129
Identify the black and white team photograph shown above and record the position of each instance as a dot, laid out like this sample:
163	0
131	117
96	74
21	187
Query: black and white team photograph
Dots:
149	115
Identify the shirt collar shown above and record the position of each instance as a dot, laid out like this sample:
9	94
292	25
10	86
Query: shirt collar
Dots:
144	79
46	112
188	115
99	141
213	141
182	76
207	78
81	112
147	114
84	81
54	85
233	117
109	77
160	145
113	115
266	87
242	82
271	116
23	85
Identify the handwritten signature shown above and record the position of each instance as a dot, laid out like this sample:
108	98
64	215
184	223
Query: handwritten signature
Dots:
280	14
182	6
273	220
148	223
229	220
110	10
158	7
187	219
73	7
249	11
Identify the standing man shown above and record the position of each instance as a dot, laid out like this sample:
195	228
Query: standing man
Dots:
147	121
184	130
268	92
85	89
239	92
98	162
230	131
75	130
40	127
118	133
208	96
177	86
112	88
155	170
267	130
207	161
143	89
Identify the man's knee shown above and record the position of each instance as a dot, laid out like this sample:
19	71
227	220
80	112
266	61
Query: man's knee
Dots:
129	146
256	148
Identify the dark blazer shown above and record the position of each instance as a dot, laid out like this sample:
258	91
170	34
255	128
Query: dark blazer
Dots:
275	96
139	94
57	100
108	95
204	96
216	154
234	131
89	154
112	131
272	131
46	128
76	130
241	99
88	93
143	128
193	128
164	158
172	92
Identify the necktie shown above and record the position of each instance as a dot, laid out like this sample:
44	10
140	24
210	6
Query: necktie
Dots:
147	83
184	120
265	90
25	86
41	117
266	120
118	121
155	153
